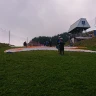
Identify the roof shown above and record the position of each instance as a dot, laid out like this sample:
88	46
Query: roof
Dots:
82	22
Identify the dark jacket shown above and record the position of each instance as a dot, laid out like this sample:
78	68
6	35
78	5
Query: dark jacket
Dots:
62	45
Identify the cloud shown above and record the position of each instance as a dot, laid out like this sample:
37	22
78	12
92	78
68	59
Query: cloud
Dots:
30	18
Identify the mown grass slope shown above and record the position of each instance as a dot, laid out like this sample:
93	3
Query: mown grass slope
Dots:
46	73
90	43
2	45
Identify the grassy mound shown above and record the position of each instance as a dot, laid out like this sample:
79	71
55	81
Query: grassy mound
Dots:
90	43
4	45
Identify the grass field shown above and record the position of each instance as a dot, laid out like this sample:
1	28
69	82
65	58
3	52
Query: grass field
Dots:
90	43
46	73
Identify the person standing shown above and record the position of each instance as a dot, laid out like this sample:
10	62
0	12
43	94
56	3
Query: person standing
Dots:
62	46
25	44
58	44
50	43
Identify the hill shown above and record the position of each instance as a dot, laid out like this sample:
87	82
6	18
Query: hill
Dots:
90	43
4	45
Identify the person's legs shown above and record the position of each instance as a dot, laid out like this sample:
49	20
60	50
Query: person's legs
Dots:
60	51
63	51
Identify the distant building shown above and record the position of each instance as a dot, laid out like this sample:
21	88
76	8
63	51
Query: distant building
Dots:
77	28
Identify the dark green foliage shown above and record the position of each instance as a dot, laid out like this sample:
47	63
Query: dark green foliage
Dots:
46	73
42	39
4	45
65	36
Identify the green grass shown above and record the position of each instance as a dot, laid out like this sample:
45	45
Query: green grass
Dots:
46	73
90	43
4	45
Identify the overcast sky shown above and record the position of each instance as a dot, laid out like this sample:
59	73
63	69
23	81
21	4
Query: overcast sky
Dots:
32	18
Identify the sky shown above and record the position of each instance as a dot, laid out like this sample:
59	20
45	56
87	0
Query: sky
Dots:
32	18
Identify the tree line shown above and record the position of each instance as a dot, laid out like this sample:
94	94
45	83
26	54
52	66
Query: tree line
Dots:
43	39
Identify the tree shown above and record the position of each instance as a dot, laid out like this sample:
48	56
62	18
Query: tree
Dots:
42	39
